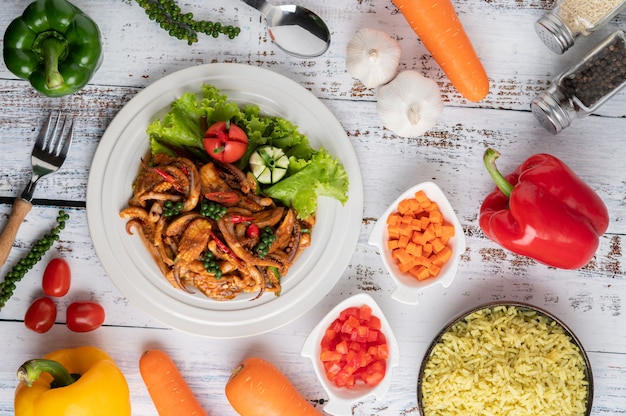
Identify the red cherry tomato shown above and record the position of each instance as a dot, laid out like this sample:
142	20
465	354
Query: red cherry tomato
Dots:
41	315
84	316
354	349
225	141
56	278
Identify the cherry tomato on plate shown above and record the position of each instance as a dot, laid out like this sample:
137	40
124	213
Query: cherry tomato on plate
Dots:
225	141
56	278
41	315
84	316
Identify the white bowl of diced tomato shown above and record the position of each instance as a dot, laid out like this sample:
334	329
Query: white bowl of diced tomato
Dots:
420	240
353	351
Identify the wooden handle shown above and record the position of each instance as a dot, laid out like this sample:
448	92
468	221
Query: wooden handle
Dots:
21	207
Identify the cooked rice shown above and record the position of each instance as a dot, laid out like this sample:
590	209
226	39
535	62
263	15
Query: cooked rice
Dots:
505	361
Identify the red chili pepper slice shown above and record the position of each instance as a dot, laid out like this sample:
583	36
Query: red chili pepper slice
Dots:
223	197
236	218
222	246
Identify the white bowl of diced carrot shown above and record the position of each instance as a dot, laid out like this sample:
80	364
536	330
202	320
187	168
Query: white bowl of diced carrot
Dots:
353	351
420	240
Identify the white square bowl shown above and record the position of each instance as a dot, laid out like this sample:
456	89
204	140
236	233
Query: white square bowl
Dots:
342	399
409	288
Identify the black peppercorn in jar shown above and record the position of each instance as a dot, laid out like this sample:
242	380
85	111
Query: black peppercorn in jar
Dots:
584	87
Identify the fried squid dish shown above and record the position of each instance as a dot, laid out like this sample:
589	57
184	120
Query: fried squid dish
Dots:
206	226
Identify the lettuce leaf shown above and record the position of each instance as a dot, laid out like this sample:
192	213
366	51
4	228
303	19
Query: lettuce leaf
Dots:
322	176
311	172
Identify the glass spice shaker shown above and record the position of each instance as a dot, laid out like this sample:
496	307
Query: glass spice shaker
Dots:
559	28
581	89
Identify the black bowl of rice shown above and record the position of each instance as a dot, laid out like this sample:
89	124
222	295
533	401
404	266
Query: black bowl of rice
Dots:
505	359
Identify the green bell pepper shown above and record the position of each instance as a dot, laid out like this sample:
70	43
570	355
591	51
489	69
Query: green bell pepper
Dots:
54	45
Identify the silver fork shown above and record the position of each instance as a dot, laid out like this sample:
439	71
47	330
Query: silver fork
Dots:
49	153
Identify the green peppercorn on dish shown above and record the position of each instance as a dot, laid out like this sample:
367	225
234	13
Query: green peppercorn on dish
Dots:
55	46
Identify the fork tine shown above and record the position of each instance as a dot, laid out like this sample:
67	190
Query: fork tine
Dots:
56	135
42	138
67	140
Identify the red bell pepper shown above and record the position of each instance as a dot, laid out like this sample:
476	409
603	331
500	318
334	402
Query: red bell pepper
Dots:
543	210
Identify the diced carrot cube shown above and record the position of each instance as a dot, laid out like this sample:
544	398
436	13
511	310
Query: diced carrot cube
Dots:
429	234
420	272
425	222
447	230
405	230
414	249
435	216
418	237
404	206
416	223
421	196
392	219
443	256
392	244
406	219
403	241
427	249
434	269
414	205
438	245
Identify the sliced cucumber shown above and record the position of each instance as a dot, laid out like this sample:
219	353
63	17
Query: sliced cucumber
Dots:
269	164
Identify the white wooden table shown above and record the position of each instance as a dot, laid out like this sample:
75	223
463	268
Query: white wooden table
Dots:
590	300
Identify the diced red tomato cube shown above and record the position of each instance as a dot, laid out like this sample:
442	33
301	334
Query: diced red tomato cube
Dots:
383	351
374	322
331	356
365	313
375	373
372	335
342	347
336	325
349	324
356	346
346	313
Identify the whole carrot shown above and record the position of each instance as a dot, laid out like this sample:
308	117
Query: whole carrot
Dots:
257	388
438	26
170	393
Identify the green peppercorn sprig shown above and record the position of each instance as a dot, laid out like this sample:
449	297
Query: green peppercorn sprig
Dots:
171	210
211	265
183	26
266	239
212	209
7	287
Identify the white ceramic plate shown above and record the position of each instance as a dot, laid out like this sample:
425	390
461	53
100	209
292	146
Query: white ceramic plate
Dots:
131	267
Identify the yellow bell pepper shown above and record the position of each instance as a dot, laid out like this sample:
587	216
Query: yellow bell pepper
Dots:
83	381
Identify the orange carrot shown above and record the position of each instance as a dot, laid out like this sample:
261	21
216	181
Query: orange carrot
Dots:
418	237
438	26
169	391
258	388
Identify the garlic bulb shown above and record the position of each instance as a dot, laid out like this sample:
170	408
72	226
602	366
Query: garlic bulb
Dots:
372	57
410	104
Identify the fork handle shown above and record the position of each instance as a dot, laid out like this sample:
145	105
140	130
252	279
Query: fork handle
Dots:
21	207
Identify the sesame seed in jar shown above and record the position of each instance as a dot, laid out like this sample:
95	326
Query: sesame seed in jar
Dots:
582	16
